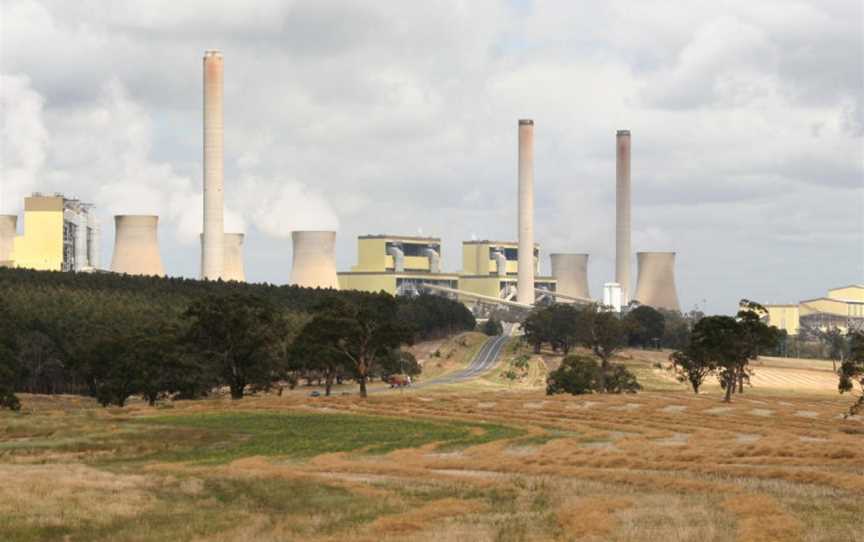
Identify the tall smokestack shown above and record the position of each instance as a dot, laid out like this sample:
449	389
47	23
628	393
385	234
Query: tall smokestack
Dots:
655	285
314	264
233	257
8	227
622	213
525	275
136	245
213	251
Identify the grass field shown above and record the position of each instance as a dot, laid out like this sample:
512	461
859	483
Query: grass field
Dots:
488	462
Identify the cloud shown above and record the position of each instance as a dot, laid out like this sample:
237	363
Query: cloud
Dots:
277	208
23	140
102	153
399	117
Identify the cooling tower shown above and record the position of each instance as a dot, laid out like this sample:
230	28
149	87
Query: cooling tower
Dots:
136	245
622	213
525	268
213	255
8	227
234	257
95	238
314	264
655	285
571	272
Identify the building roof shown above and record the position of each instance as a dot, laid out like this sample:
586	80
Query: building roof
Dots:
407	273
512	277
401	237
861	286
488	242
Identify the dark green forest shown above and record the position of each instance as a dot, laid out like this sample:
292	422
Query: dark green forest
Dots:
113	336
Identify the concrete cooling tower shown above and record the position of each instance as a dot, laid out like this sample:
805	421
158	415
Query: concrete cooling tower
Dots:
571	272
234	257
314	264
526	265
655	284
136	245
8	227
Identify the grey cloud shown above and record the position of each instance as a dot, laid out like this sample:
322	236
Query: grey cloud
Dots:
402	115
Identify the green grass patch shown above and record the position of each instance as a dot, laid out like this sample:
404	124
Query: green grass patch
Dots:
301	435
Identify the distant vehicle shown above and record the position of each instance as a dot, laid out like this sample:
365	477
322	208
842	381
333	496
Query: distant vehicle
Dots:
315	393
398	381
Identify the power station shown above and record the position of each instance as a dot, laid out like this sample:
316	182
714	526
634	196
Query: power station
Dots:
60	234
63	234
399	265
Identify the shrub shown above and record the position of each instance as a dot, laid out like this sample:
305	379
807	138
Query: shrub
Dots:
620	380
582	374
576	375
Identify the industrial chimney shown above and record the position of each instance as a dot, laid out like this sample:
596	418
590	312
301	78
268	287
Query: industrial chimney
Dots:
136	245
234	269
655	285
233	256
8	227
622	213
571	272
526	264
314	264
212	256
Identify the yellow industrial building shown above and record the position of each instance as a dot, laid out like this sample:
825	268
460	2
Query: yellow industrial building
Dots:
401	264
396	264
489	268
60	234
842	308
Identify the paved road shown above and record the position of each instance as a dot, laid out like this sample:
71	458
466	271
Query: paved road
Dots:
483	362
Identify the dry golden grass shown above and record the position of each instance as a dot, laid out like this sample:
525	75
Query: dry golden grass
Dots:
68	494
420	518
592	516
658	465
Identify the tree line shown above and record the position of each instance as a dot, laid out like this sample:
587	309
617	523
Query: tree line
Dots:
604	333
720	345
114	336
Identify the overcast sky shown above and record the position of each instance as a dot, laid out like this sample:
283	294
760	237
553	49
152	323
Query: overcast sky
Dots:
401	117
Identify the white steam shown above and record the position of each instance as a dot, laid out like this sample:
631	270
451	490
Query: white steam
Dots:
277	208
101	153
23	141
